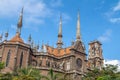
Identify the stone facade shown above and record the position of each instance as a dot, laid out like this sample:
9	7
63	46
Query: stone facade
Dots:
95	58
71	60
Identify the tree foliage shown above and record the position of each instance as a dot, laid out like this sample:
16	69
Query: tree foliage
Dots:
109	72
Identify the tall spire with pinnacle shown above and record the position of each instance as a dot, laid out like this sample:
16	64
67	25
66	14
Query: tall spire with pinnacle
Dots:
19	24
78	36
59	42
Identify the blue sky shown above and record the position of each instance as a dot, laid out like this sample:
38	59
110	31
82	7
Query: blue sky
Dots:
99	19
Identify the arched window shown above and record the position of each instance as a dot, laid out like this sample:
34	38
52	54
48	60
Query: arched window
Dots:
21	59
8	58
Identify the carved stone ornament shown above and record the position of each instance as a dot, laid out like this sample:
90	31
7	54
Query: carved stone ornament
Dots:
61	66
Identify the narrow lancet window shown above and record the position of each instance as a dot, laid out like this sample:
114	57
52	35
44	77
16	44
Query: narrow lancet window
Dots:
21	59
8	58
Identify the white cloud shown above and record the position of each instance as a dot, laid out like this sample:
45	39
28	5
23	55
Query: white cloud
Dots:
14	27
113	14
65	18
115	20
9	7
56	3
117	7
32	7
35	11
113	62
105	36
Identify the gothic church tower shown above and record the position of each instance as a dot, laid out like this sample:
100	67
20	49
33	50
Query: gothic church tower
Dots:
95	58
14	52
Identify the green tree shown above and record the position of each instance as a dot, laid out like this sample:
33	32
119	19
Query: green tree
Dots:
1	66
28	74
54	76
109	72
4	76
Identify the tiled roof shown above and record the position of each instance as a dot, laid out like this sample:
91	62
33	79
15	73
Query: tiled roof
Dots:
58	52
17	38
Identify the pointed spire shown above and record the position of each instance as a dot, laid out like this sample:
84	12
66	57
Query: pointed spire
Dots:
32	44
78	35
59	42
42	46
6	35
19	24
72	42
38	46
60	27
29	39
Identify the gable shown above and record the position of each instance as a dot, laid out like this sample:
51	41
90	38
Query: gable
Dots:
79	46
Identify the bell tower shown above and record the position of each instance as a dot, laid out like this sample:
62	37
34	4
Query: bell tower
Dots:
95	57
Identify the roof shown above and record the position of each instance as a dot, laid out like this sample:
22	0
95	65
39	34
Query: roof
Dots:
58	52
95	41
17	38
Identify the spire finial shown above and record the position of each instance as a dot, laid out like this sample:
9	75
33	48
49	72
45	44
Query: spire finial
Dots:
32	44
38	46
78	36
42	46
19	24
29	39
59	42
72	41
6	35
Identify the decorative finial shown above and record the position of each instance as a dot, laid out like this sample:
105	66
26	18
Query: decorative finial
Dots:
59	42
29	39
6	35
42	46
78	35
72	42
38	46
32	44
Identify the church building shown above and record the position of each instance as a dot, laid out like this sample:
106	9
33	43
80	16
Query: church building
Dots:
72	60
